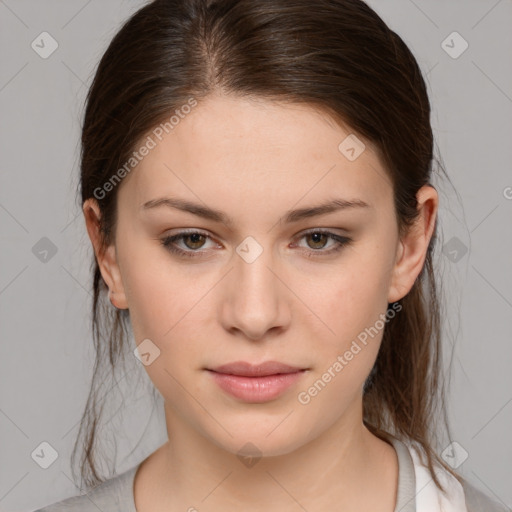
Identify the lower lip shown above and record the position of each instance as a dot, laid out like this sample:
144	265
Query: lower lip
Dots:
256	389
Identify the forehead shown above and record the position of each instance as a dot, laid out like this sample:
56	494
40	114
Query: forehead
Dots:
262	151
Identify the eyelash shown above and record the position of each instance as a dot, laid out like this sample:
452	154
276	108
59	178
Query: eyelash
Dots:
167	242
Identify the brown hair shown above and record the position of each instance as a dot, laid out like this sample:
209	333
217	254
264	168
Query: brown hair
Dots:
337	56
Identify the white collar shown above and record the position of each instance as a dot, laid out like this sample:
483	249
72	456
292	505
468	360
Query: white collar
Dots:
429	497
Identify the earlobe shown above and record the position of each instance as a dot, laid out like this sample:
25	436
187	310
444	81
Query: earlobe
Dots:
413	247
105	255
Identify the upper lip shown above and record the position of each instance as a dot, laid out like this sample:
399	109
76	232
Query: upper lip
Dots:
260	370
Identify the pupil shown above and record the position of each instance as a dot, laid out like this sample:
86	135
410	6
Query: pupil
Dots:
195	238
317	237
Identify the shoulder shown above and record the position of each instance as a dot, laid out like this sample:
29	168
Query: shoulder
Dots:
112	495
477	501
417	484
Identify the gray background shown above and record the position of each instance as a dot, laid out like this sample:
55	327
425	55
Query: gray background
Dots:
46	358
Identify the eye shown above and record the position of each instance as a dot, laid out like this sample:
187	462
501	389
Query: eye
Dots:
194	240
319	239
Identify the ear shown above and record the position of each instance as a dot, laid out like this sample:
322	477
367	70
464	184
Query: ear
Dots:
412	248
105	256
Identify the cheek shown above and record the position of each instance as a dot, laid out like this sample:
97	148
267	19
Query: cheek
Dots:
346	352
153	287
170	307
166	308
161	302
347	301
157	289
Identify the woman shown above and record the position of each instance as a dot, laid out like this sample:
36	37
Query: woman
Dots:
256	184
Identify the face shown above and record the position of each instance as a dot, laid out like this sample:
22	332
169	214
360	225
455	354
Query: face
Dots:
255	282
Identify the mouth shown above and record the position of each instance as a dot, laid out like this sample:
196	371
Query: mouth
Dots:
256	383
244	369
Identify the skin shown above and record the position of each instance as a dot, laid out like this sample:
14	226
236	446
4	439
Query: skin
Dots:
255	160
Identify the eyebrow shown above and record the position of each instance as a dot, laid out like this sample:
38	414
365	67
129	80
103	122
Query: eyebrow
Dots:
219	216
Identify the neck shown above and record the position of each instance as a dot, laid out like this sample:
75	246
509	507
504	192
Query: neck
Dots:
346	468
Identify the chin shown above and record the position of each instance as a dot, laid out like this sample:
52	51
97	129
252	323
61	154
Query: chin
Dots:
254	438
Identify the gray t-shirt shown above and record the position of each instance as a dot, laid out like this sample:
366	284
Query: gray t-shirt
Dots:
116	493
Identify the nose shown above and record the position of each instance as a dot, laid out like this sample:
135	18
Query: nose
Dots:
255	302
